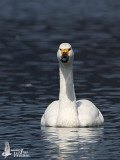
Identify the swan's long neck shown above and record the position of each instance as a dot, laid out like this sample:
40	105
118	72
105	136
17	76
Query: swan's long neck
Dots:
67	116
67	92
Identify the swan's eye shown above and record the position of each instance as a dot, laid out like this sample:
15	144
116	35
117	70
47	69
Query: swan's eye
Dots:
60	49
69	49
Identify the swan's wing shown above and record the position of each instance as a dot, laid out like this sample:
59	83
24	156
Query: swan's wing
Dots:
89	114
7	147
50	115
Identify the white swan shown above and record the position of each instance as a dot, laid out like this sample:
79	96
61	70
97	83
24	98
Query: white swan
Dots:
67	112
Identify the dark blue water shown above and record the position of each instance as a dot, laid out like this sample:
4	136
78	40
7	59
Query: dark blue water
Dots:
30	33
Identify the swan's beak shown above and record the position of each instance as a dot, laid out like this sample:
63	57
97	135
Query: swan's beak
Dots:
64	55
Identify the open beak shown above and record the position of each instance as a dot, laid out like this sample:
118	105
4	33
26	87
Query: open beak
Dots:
64	55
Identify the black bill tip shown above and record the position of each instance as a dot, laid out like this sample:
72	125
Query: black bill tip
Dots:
64	58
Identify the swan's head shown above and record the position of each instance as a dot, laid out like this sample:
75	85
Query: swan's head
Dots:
65	53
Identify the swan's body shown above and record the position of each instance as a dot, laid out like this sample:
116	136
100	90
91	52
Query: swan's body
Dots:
67	112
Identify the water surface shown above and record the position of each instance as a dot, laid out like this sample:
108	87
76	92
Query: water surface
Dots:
30	33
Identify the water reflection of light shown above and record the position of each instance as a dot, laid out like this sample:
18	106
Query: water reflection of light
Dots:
71	141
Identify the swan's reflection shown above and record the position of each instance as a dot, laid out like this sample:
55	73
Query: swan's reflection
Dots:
71	142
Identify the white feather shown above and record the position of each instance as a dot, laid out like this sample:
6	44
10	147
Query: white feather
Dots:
67	112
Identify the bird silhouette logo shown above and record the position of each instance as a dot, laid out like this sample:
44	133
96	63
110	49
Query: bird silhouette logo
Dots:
6	150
